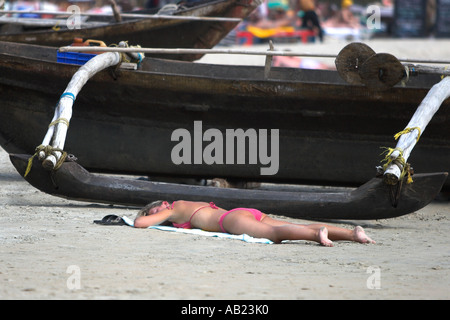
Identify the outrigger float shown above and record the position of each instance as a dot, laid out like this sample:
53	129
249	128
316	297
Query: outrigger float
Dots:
395	194
373	200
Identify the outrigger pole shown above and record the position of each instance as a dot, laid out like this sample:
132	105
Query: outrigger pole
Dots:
226	51
51	149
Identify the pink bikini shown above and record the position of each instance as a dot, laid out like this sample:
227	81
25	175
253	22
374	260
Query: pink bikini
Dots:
187	225
256	213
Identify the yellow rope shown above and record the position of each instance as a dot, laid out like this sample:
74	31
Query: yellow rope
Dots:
400	159
443	76
59	120
48	150
56	27
387	159
408	130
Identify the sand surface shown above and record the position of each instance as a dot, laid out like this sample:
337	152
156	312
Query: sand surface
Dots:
51	249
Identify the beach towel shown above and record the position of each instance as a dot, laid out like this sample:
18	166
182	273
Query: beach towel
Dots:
130	222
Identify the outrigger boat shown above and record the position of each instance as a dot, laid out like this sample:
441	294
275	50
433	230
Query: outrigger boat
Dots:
204	25
389	197
330	132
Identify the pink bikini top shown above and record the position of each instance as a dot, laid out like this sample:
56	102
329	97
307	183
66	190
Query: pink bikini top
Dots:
187	225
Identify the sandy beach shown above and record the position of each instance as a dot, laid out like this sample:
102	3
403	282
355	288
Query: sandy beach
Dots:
51	249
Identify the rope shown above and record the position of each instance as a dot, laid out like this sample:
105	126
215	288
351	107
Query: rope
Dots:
129	57
63	120
406	78
48	150
59	120
400	160
408	130
443	76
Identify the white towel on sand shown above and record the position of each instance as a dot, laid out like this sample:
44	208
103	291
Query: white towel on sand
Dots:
243	237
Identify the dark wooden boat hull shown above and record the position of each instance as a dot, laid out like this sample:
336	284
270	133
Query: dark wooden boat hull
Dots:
370	201
153	33
329	132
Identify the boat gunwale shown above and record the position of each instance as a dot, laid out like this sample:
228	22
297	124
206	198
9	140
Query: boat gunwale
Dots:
225	72
125	21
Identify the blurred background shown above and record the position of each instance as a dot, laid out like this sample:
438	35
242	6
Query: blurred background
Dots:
350	19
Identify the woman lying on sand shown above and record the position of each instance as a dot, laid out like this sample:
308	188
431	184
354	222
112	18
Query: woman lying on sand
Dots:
209	217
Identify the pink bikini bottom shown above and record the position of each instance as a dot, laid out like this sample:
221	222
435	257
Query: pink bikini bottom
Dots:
256	213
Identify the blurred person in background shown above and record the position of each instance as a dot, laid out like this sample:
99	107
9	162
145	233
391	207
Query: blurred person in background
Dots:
310	19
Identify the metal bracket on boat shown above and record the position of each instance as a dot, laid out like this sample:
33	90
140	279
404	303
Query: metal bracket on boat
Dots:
70	157
268	64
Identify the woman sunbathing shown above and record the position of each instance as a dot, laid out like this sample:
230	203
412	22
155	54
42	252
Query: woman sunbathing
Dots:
209	217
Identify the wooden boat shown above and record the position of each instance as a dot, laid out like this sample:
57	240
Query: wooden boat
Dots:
164	33
370	201
330	132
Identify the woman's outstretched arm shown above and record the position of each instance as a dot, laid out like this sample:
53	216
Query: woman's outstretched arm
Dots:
153	219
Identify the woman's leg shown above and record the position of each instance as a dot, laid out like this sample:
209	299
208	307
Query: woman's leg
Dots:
241	221
334	233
